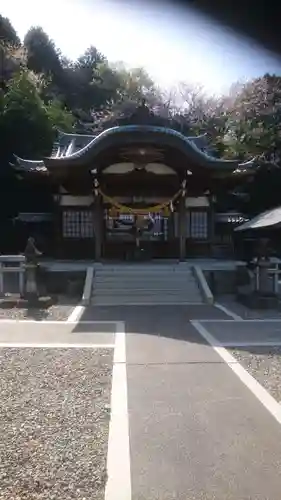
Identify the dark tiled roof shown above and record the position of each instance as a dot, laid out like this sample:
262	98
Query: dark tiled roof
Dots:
29	165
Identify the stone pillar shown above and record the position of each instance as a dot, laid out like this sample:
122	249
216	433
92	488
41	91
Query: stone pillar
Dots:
263	284
31	288
182	228
1	279
98	226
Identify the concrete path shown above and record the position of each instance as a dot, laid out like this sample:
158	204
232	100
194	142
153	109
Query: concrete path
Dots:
196	432
248	332
53	333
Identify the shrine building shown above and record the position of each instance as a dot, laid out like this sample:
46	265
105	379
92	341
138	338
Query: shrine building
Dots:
140	179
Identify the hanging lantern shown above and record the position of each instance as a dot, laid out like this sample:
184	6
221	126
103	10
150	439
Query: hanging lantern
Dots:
183	188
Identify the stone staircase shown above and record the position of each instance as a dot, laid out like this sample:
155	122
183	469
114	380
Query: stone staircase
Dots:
142	284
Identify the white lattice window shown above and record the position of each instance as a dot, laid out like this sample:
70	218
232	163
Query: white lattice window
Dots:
199	225
77	224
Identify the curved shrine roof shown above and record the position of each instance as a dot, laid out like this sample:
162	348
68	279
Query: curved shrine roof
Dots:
140	134
76	150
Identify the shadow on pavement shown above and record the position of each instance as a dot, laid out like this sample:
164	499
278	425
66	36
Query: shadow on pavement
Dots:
162	321
171	322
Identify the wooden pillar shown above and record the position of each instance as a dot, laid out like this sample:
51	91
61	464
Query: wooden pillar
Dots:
98	226
182	228
211	223
57	247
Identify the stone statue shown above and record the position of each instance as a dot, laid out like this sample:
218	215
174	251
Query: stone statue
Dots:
31	252
31	255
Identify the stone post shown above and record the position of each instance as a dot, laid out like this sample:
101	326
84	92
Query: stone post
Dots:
263	280
31	256
1	279
21	279
31	288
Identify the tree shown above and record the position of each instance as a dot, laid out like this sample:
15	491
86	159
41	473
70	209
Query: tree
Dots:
135	84
90	60
263	190
42	54
12	58
8	34
59	116
255	116
27	130
89	82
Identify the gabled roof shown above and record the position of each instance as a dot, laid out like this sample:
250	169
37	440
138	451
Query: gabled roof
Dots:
29	165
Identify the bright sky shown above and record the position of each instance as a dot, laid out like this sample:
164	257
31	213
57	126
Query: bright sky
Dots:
172	44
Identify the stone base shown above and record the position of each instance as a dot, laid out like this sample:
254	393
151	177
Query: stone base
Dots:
256	300
25	303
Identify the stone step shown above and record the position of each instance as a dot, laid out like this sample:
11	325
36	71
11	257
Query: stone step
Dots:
128	270
152	287
120	269
145	291
145	284
102	301
144	271
137	267
143	276
182	281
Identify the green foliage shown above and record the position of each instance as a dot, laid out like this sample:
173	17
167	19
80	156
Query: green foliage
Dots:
25	122
59	117
42	55
90	60
8	34
134	84
254	116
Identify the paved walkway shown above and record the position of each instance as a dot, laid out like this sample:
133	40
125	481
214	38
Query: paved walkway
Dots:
196	432
46	333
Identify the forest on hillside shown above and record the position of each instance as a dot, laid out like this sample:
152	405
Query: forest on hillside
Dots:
42	91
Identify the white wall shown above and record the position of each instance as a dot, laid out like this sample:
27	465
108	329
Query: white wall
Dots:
74	201
201	201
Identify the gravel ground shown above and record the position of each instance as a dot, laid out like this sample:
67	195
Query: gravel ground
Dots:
58	312
264	363
54	413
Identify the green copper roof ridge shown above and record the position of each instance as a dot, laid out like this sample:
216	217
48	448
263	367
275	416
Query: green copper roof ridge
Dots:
248	162
73	134
28	162
195	137
93	136
164	130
